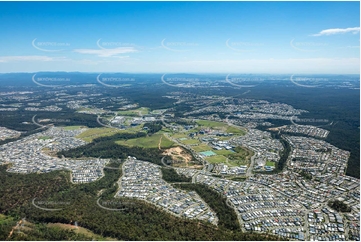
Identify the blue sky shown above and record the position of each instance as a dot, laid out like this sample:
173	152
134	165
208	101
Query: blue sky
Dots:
191	37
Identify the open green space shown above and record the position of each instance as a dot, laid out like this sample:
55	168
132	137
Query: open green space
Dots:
242	154
178	136
220	125
201	147
190	141
211	124
197	129
270	163
237	162
167	130
148	142
234	130
135	112
223	152
91	134
78	230
5	219
216	159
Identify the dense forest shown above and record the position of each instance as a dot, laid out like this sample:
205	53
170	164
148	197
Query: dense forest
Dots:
153	127
43	232
107	148
339	206
170	175
227	216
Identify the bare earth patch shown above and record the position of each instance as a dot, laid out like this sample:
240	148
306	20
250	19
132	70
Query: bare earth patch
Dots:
178	154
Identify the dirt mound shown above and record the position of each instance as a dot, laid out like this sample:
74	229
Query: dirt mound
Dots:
178	153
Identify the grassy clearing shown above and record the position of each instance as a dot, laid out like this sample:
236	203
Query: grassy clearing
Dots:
148	142
178	136
79	230
223	152
167	130
91	134
234	130
270	163
221	125
135	112
195	130
242	154
94	133
190	141
202	147
238	163
4	218
216	159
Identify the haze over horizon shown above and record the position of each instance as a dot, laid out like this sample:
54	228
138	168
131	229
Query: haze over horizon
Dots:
188	37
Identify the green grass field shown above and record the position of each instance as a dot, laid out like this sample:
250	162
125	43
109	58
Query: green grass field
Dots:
223	152
79	230
5	219
201	147
167	130
94	133
221	125
242	154
135	112
240	157
190	141
238	163
234	130
178	136
216	159
147	142
270	163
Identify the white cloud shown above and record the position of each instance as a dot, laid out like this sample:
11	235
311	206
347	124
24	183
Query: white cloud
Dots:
4	59
354	30
106	52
